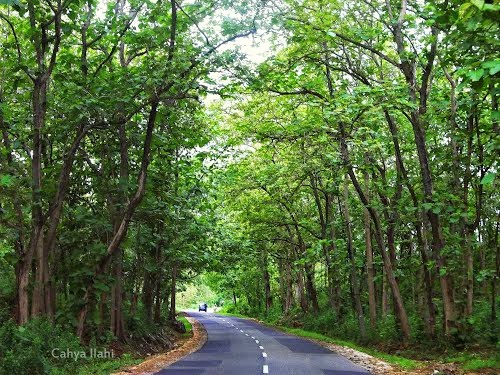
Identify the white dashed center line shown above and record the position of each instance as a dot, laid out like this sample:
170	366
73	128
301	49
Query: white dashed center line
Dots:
253	338
261	347
256	341
264	355
265	369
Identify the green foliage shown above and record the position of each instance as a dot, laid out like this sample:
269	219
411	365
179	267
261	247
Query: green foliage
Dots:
27	349
399	106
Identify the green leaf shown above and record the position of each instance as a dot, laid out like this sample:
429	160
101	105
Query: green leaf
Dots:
492	65
427	206
475	75
5	180
488	179
464	10
442	271
478	3
436	209
102	287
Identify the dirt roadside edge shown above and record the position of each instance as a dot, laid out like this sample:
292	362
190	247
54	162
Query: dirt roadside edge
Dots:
157	362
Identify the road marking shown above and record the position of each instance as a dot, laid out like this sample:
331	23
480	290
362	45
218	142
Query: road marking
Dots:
253	338
261	347
241	330
256	341
264	355
265	369
246	334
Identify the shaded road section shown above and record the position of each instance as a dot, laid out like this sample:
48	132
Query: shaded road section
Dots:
238	346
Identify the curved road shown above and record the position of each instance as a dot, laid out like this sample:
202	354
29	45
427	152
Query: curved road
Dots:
243	347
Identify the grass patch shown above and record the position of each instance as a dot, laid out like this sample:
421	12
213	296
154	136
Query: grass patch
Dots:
108	366
187	325
475	361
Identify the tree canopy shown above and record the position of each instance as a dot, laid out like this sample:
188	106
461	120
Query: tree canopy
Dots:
351	175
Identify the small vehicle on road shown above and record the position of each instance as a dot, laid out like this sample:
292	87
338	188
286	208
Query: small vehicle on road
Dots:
202	307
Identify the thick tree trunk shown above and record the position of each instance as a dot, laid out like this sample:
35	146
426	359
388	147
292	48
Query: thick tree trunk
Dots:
301	295
311	289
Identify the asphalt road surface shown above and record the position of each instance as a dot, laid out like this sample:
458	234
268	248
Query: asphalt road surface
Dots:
243	347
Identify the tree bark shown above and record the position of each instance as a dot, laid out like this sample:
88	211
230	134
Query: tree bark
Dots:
173	292
117	321
370	269
121	231
398	300
267	281
350	252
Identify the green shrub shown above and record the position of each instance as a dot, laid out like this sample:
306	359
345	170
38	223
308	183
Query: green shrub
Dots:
28	349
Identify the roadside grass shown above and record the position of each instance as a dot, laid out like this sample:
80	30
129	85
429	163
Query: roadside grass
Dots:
404	363
126	360
102	367
187	325
475	361
467	361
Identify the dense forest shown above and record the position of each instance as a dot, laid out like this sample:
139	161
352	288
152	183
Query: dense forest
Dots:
346	183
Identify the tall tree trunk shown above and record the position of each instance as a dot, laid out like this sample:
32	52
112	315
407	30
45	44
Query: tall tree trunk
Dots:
288	283
370	269
396	293
121	231
419	226
41	294
300	290
147	295
173	291
267	281
350	252
117	321
311	289
35	247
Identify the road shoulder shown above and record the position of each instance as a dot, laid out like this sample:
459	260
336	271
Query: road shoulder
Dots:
159	361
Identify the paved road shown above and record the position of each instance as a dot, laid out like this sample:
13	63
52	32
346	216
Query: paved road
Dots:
243	347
